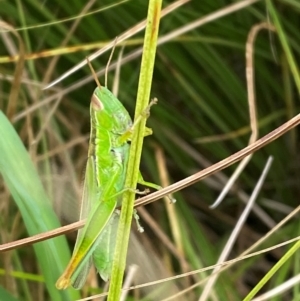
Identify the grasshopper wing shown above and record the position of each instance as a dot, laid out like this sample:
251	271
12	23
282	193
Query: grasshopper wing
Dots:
104	252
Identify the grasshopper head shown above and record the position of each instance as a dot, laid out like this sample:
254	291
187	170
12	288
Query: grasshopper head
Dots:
109	112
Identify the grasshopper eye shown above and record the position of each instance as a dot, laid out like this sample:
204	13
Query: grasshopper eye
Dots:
96	103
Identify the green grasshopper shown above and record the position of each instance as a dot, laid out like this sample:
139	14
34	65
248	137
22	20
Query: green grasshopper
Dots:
111	129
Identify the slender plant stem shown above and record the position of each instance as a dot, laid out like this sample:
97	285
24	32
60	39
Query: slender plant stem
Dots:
274	269
143	96
285	43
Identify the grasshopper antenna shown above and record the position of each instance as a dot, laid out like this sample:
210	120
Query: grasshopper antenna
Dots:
94	73
109	60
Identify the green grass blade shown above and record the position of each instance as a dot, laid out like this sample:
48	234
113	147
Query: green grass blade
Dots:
285	44
4	295
24	184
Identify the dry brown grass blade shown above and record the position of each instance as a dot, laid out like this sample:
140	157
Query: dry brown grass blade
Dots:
42	236
126	35
208	289
66	50
221	164
225	265
246	254
71	31
252	108
174	187
163	238
16	83
171	210
62	50
136	53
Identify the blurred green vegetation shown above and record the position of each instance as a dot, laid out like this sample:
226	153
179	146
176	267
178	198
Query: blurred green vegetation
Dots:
201	87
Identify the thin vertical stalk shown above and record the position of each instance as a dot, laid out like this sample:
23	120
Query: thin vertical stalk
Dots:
143	96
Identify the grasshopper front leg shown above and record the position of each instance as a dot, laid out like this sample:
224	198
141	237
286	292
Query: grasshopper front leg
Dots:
127	135
153	185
